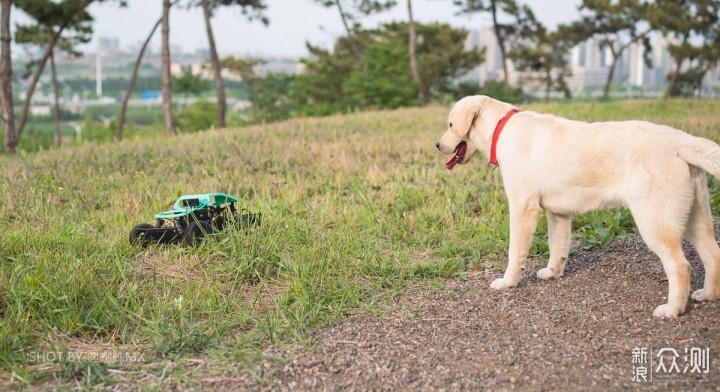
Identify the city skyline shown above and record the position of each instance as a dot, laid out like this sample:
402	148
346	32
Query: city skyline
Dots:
292	24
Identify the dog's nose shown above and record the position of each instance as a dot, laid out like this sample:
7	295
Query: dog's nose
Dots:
437	145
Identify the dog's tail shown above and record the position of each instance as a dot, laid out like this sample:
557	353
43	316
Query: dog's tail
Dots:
702	153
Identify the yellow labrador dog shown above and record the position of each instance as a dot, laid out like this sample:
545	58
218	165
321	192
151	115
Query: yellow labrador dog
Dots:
570	167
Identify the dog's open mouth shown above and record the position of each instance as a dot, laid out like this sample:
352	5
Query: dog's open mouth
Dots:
458	157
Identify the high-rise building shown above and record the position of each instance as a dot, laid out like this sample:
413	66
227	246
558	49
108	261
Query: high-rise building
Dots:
491	68
108	45
589	64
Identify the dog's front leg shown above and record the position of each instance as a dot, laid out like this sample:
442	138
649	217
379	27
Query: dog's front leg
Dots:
523	220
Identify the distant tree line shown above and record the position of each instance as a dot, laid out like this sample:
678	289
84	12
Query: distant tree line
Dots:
404	63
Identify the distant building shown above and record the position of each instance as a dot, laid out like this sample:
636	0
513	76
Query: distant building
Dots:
285	66
491	68
589	64
639	74
108	45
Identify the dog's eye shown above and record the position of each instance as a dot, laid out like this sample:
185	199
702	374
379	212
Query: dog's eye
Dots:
450	125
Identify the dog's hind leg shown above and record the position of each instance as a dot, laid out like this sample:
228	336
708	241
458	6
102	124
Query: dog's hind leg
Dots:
700	233
662	231
523	220
559	227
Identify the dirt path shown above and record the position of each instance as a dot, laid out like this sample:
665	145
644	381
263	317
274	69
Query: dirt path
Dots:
577	333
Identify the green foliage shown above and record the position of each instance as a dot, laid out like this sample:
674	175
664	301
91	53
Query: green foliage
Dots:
113	84
96	131
50	17
497	89
325	73
441	55
351	10
597	229
502	91
86	373
336	81
695	25
199	116
590	231
38	136
244	68
252	9
541	53
497	9
188	83
65	115
688	82
614	24
136	115
272	97
381	79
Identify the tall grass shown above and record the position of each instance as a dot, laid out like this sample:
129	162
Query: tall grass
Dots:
356	209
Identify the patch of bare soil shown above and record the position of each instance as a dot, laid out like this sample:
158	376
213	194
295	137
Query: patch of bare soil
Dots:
575	333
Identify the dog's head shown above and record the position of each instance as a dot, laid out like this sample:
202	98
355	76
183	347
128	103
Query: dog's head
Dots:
468	125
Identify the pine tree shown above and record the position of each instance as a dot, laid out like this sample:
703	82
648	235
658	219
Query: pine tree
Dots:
615	25
694	26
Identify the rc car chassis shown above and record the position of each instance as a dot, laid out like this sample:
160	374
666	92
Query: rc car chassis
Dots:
192	217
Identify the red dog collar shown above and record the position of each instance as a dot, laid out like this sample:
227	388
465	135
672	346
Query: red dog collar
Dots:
496	135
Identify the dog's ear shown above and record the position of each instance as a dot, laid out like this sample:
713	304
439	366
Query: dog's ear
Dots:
465	119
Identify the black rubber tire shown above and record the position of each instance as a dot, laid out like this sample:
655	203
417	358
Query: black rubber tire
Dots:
137	237
195	231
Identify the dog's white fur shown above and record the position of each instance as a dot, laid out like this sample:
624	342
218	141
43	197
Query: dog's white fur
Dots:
570	167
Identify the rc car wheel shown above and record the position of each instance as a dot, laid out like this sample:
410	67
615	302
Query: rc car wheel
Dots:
195	231
137	234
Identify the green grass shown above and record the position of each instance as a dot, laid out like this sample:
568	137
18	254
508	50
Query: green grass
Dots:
356	210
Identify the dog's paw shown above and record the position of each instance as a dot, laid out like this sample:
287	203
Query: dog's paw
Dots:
667	311
502	284
547	273
705	295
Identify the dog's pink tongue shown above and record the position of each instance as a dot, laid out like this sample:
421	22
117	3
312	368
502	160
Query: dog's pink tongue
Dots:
459	151
451	163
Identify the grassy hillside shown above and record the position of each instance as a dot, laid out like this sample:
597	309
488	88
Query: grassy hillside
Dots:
356	209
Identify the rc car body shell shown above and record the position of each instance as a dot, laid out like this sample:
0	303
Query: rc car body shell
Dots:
187	204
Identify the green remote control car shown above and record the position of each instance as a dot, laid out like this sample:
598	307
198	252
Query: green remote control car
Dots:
192	217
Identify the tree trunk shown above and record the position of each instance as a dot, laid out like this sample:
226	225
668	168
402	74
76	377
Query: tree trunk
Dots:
611	73
548	84
40	68
56	114
673	79
131	84
166	93
500	39
215	60
563	85
351	39
608	82
133	78
6	96
412	42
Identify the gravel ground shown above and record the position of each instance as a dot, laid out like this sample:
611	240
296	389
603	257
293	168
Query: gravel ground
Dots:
576	333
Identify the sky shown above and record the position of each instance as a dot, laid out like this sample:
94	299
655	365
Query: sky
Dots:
292	24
